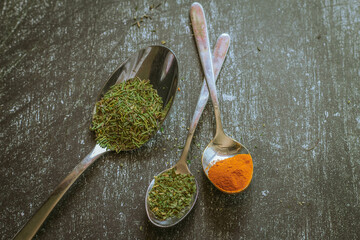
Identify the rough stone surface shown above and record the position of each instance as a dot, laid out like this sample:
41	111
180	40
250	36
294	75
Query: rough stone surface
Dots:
289	91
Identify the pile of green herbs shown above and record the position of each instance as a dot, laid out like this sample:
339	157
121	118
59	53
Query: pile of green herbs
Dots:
171	194
127	115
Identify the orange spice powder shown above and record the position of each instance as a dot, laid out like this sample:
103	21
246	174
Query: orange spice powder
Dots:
232	174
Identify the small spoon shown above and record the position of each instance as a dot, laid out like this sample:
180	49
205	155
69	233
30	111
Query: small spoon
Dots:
220	50
222	146
156	63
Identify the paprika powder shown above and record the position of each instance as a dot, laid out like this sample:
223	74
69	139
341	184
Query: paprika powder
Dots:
233	174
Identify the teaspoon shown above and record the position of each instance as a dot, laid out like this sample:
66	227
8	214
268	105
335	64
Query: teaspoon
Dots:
220	50
222	146
156	63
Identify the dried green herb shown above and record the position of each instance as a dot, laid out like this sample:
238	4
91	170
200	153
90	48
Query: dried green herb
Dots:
127	115
171	194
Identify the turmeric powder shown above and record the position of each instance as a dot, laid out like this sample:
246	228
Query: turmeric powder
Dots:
233	174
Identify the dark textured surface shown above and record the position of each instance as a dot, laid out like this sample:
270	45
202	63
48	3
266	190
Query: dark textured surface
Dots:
290	92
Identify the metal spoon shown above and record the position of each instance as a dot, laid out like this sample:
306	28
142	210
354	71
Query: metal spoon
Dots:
156	63
222	146
220	50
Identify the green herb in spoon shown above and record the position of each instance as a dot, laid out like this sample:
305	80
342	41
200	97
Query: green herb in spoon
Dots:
171	194
127	115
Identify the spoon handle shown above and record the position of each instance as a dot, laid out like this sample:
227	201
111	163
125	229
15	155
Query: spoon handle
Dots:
35	222
198	22
220	51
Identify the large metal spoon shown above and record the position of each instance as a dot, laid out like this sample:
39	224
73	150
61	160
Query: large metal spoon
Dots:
156	63
222	146
220	50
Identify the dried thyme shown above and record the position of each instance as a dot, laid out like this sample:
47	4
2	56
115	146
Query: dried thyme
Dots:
127	115
171	194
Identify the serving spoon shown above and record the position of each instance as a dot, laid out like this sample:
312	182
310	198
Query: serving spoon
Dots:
220	50
221	146
156	63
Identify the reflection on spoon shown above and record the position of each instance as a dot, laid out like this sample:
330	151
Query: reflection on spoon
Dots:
146	64
220	51
221	147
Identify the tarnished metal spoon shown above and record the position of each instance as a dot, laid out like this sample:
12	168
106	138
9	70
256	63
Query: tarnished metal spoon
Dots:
222	146
220	50
156	63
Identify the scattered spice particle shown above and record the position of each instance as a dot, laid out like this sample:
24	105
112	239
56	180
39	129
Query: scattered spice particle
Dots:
146	15
163	42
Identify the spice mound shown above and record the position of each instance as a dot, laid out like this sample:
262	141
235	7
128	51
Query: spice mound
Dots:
127	115
232	174
171	194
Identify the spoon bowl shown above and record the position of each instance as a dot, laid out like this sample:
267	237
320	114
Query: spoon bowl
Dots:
221	148
156	63
169	222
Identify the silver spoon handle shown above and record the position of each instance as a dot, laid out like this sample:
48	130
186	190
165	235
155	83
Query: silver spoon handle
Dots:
220	51
35	222
199	26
